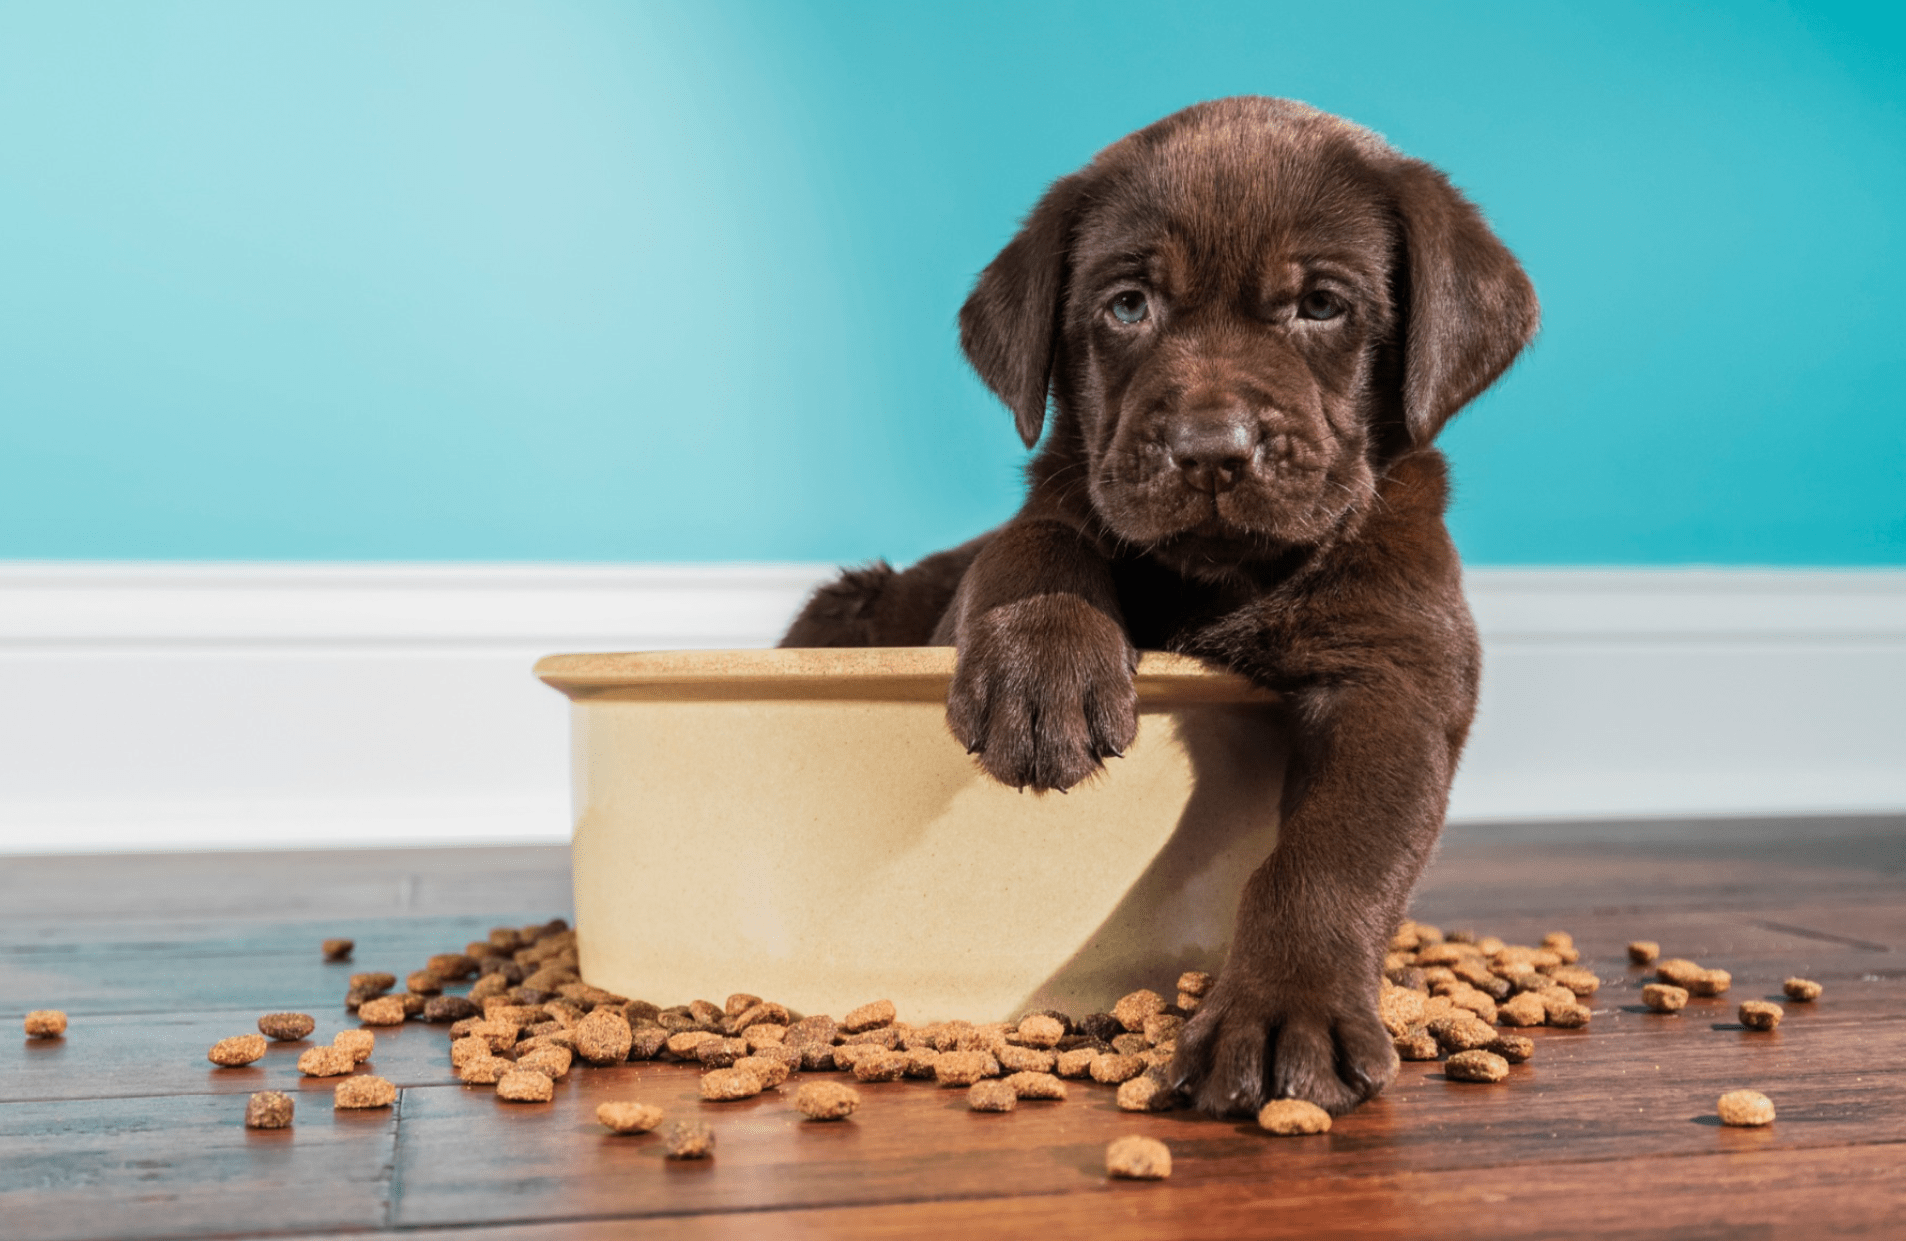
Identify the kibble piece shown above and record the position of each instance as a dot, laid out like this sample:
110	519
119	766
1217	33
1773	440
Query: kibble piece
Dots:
688	1139
485	1070
1580	981
452	965
1399	1008
551	1061
1761	1015
603	1037
1195	982
1461	1032
1162	1028
816	1029
826	1100
1132	1010
1476	1066
423	982
286	1027
269	1109
326	1062
337	949
621	1117
45	1023
1111	1070
1075	1063
991	1096
1711	982
1514	1048
1678	970
1040	1030
688	1043
464	1050
444	1008
241	1049
1664	997
362	1092
647	1042
1804	990
1101	1026
1145	1094
764	1034
385	1011
727	1085
1525	1009
359	1043
720	1053
880	1065
1644	951
963	1068
1746	1109
868	1017
1036	1086
525	1086
1025	1059
1569	1016
770	1070
376	982
1291	1117
1138	1158
1417	1044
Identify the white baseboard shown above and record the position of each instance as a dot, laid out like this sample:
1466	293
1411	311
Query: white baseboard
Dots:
244	706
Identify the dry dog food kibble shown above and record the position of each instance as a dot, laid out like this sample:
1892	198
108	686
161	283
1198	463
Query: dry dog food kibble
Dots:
771	1070
603	1037
1040	1030
1476	1066
551	1061
826	1100
485	1070
385	1011
1289	1117
1745	1109
877	1064
991	1096
1138	1158
45	1023
269	1109
1461	1032
360	1043
363	1092
1644	951
286	1027
1144	1094
1761	1015
1075	1063
1036	1086
963	1068
1418	1044
242	1049
622	1117
1678	970
326	1062
1805	990
1664	997
1711	983
688	1139
868	1016
525	1086
1136	1007
727	1085
337	949
1512	1047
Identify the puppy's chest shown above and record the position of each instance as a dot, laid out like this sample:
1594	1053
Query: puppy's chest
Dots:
1163	611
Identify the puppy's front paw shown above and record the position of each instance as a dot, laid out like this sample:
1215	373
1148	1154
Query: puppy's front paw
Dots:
1247	1044
1043	692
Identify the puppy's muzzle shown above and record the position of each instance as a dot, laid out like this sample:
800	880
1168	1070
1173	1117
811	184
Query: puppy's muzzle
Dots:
1212	449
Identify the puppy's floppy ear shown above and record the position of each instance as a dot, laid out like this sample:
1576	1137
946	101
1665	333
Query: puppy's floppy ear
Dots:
1010	321
1469	308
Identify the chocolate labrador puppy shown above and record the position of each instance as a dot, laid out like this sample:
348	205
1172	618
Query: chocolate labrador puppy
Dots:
1250	320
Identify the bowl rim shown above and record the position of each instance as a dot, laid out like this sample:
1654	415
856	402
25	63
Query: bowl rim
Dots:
877	673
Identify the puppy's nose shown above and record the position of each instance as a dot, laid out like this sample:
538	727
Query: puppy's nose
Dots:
1211	452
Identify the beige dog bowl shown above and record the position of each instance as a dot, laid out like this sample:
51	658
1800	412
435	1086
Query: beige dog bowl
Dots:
799	824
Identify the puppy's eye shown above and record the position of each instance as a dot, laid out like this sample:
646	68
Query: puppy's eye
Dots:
1318	304
1130	307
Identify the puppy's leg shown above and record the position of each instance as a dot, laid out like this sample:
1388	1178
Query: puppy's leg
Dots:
878	606
1294	1013
1043	691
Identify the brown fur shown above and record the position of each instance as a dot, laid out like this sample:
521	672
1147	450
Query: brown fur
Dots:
1244	472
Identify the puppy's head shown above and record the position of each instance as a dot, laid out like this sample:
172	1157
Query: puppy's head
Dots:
1242	313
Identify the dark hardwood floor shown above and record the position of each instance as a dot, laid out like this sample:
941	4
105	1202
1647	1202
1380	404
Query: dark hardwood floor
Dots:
123	1129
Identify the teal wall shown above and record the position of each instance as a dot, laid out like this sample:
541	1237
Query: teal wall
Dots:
677	281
